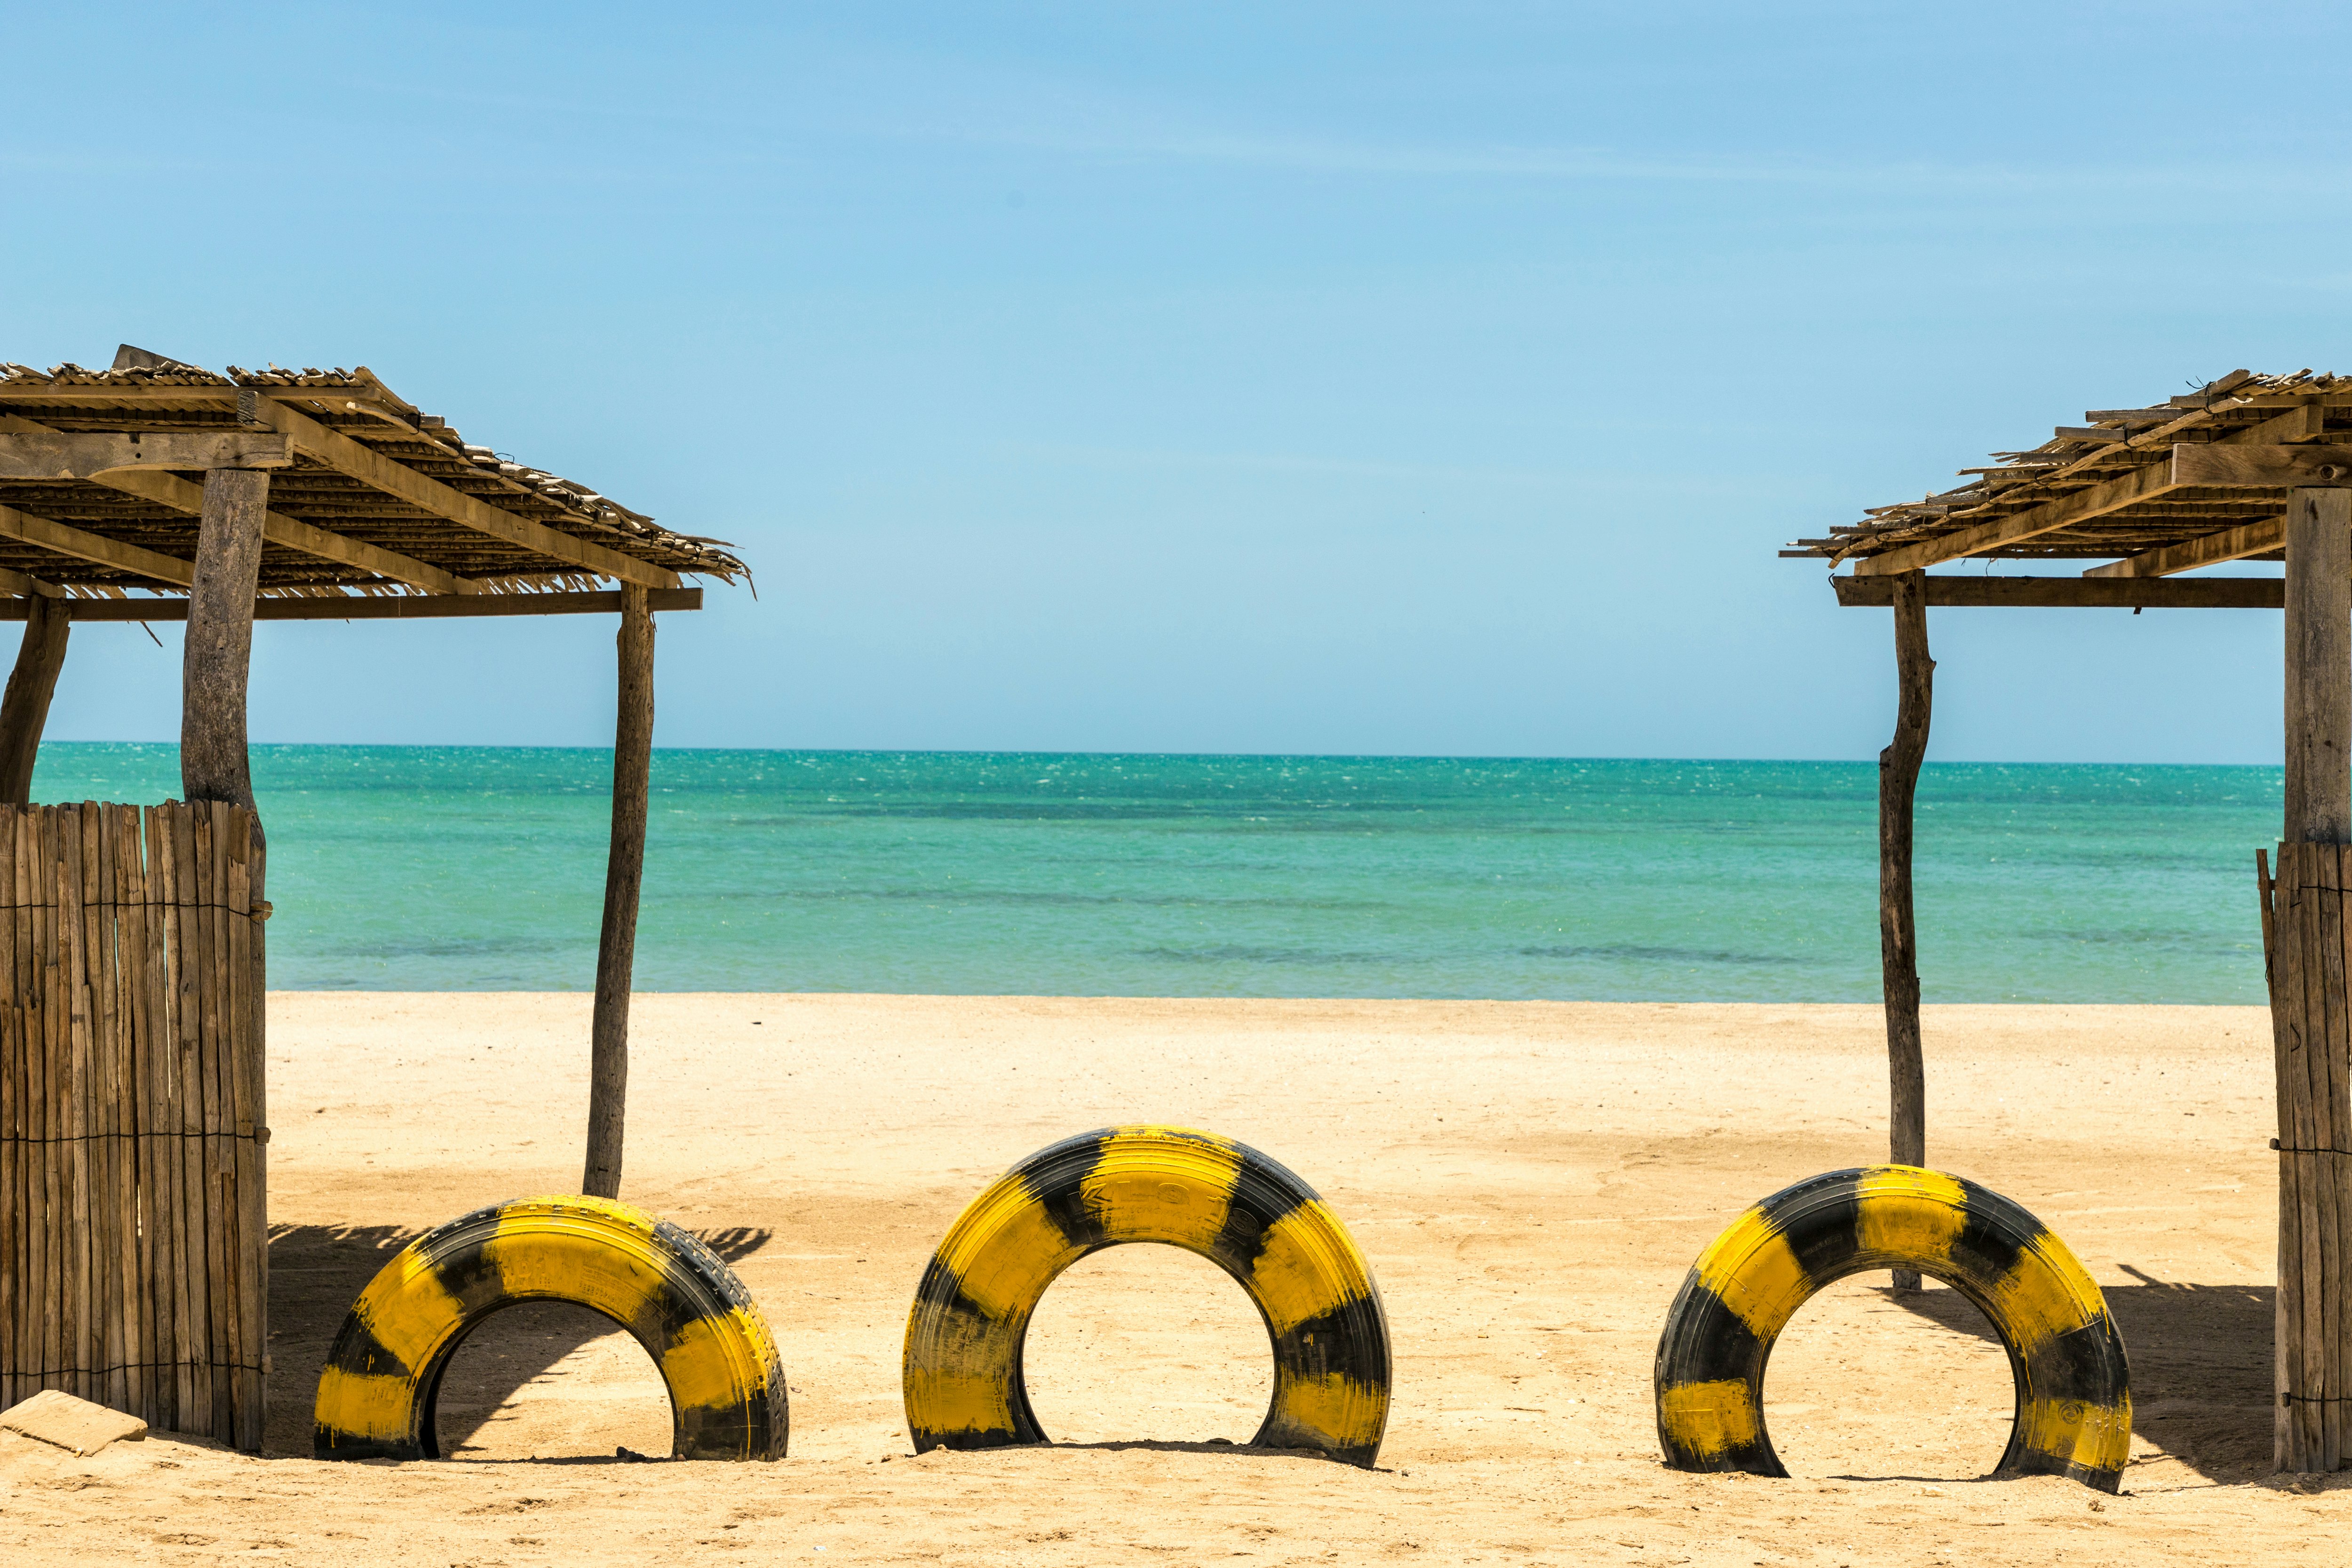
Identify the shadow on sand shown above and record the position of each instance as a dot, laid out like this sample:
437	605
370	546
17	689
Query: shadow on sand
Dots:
316	1272
2200	1366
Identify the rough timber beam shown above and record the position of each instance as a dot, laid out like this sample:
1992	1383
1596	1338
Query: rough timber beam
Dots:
56	536
292	533
2070	593
376	607
17	584
2209	550
2220	467
373	468
54	455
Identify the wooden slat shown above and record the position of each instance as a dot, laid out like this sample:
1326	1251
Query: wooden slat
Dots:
58	455
373	468
408	606
293	533
56	536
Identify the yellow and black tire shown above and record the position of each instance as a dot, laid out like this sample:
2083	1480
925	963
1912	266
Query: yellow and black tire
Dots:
381	1381
2073	1385
1208	1195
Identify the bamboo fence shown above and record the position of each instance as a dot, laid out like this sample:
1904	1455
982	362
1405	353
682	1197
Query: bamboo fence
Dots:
133	1246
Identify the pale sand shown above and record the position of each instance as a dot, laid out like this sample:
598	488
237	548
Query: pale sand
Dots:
1529	1181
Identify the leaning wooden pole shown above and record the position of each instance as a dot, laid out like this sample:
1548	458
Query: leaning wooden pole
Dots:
1899	932
2311	1031
616	951
25	710
232	1160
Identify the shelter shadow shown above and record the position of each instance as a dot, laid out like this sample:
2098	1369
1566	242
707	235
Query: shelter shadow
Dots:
316	1271
2200	1366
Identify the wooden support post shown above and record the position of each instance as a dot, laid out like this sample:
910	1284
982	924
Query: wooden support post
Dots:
608	1051
2311	1029
1898	935
26	708
216	662
219	651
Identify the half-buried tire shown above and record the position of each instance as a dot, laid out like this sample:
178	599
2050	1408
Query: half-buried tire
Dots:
377	1394
1208	1195
2074	1387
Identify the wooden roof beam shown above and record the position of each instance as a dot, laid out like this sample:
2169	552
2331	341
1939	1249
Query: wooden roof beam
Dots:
56	536
2211	550
2061	593
385	606
2130	490
293	533
19	585
39	452
377	471
2302	423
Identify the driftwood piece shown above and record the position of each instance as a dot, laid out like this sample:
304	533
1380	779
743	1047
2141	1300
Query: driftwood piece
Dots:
616	946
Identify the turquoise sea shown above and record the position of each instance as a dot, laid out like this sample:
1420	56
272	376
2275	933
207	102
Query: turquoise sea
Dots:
482	869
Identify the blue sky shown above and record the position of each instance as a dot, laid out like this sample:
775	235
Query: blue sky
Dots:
1308	378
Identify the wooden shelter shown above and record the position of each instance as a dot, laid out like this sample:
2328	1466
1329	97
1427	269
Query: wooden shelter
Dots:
133	1264
2247	468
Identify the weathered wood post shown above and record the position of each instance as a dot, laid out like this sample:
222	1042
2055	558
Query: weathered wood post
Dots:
24	710
1899	933
215	665
2308	1003
218	655
617	948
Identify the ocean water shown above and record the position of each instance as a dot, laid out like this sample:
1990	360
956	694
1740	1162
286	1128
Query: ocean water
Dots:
482	869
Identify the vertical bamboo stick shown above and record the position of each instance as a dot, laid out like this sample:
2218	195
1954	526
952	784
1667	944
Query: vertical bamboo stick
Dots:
164	885
154	1229
110	1235
138	1308
2294	1135
57	1015
2326	1086
39	1178
67	999
139	1303
221	1142
2309	1097
188	962
163	1150
236	983
15	1208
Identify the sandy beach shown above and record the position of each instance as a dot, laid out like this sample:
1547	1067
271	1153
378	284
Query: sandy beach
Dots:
1529	1181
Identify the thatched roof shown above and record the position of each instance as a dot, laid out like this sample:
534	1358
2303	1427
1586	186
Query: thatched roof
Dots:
367	494
2118	486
